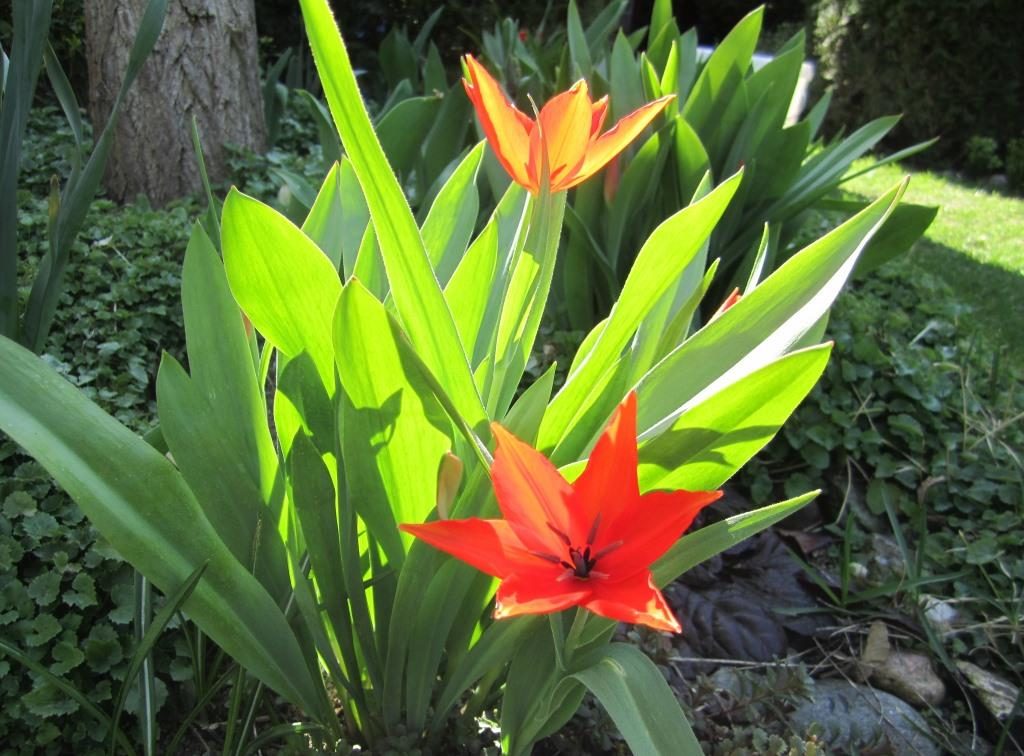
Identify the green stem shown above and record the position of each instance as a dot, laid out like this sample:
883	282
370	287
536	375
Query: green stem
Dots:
558	638
572	640
546	215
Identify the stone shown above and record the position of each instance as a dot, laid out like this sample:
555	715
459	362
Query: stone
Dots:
998	695
942	615
856	717
911	677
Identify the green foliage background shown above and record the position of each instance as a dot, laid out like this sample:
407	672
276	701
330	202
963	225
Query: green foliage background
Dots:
66	598
954	69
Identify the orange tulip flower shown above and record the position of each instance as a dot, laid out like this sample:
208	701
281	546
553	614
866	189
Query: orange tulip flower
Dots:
566	132
590	543
730	300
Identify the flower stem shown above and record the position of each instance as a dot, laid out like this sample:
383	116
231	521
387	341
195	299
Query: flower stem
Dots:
572	640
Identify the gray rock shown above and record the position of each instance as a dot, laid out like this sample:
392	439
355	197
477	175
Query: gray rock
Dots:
855	717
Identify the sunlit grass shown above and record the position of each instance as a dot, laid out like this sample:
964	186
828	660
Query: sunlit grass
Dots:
976	244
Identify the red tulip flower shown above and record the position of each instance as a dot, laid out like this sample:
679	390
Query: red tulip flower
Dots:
590	543
567	132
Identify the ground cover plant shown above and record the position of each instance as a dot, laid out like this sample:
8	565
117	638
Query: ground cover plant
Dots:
68	597
914	433
327	500
976	244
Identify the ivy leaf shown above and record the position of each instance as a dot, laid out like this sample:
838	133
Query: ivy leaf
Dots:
67	656
43	628
44	587
84	593
18	504
41	525
103	648
47	700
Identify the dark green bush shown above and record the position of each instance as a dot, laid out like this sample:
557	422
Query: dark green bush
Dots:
1015	164
982	156
954	69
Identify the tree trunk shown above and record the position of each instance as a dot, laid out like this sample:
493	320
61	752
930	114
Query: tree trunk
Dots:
204	65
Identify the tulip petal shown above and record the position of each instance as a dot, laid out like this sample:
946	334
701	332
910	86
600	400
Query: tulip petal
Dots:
525	594
608	485
506	127
615	140
489	545
650	528
636	601
532	494
600	111
565	122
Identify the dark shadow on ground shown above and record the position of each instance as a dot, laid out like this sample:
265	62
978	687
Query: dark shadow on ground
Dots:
995	294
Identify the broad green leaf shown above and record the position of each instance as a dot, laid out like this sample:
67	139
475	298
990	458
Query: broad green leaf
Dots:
687	67
893	158
700	545
657	267
397	58
648	344
708	443
777	81
417	294
525	415
495	647
661	33
532	678
816	115
633	196
435	79
763	325
285	283
355	216
425	30
603	25
452	218
588	280
411	116
394	432
525	300
136	498
214	422
634	693
579	49
471	284
778	162
447	135
624	81
369	267
722	75
330	145
679	327
905	226
824	169
433	622
325	222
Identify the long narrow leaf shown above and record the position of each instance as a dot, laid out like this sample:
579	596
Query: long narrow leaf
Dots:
415	289
136	498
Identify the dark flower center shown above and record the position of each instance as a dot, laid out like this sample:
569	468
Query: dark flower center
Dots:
581	561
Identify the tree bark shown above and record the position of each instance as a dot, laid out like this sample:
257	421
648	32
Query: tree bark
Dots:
205	65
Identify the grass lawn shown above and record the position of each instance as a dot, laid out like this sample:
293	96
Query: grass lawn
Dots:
976	244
